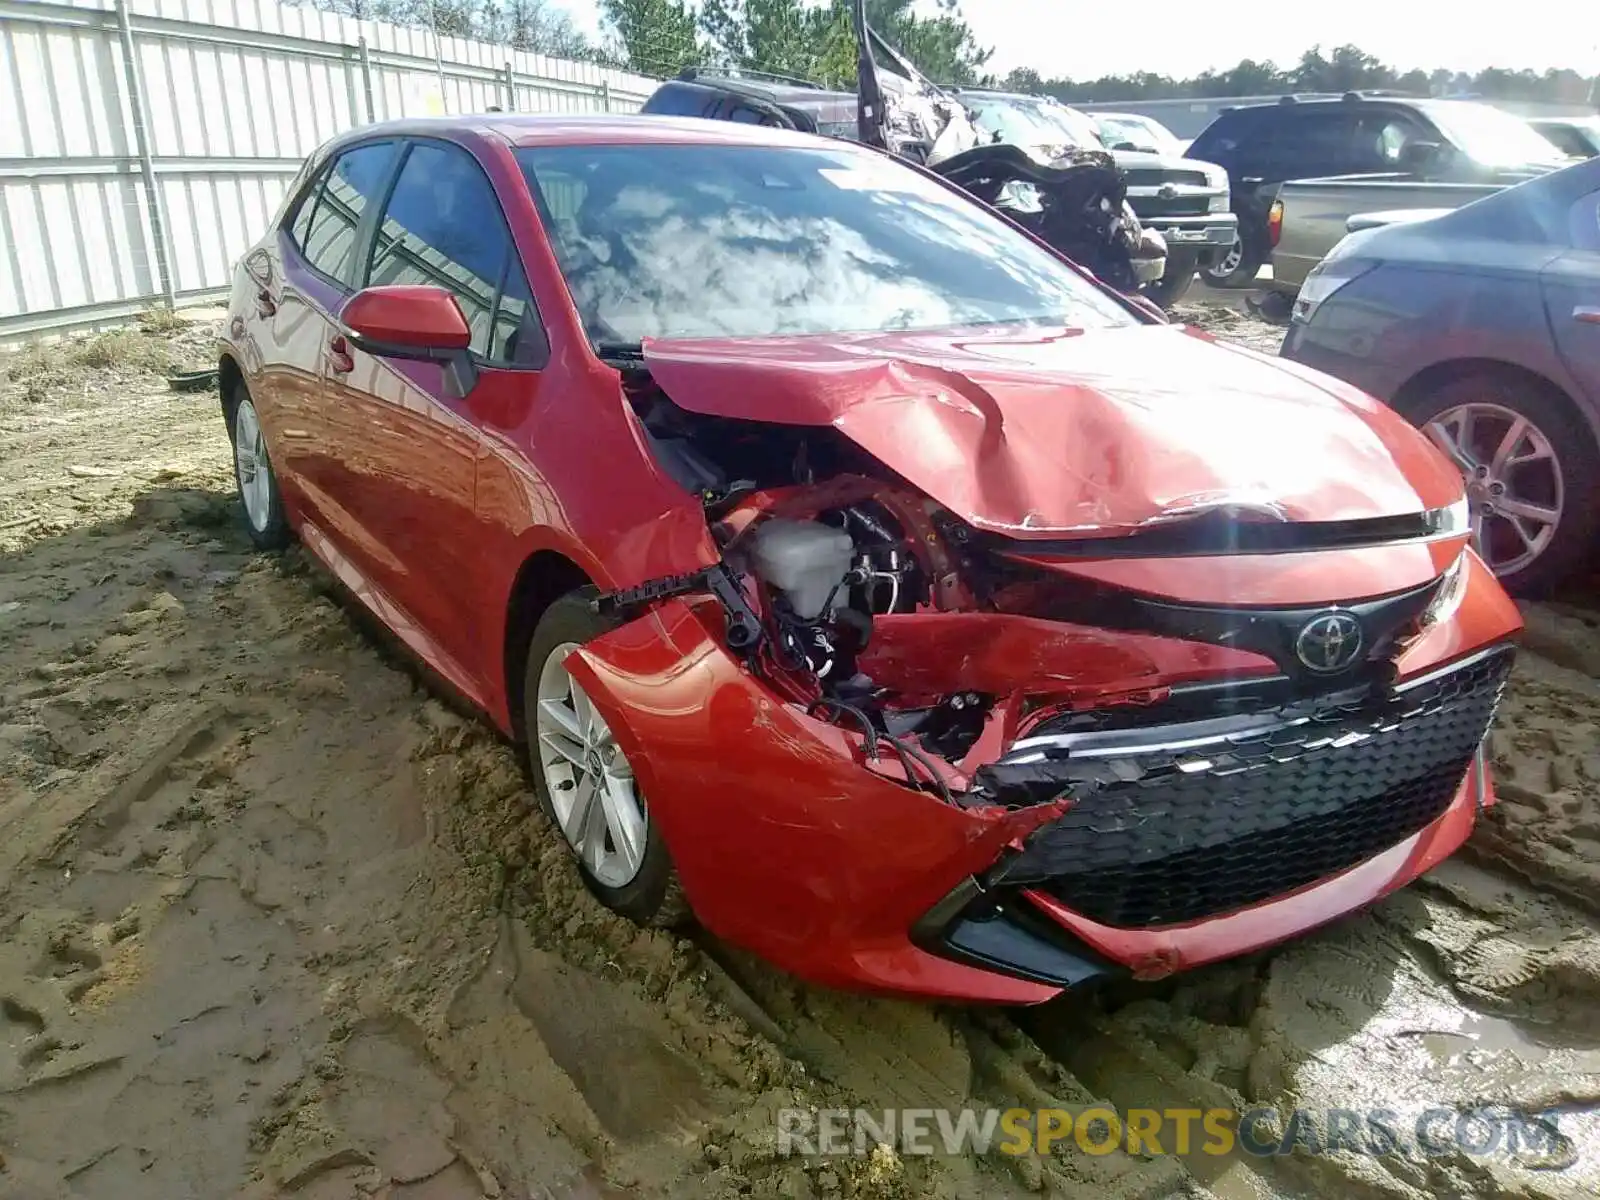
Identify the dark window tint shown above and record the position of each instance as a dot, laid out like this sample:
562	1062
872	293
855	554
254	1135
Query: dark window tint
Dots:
1318	141
1219	142
443	227
1567	139
746	115
347	190
681	100
301	225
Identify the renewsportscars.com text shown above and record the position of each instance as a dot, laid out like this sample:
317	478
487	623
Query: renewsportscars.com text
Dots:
1260	1132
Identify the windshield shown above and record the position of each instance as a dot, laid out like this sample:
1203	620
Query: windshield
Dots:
1015	123
678	241
1079	129
1141	134
1489	135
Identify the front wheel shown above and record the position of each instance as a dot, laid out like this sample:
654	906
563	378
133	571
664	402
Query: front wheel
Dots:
1234	267
584	781
1175	283
1530	467
264	518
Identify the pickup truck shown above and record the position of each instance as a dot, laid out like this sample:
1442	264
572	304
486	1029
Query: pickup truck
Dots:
1183	200
1309	217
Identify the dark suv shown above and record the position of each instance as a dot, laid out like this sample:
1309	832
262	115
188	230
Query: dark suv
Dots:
1303	137
757	100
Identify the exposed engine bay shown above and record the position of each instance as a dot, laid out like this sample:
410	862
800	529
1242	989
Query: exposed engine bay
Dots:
955	662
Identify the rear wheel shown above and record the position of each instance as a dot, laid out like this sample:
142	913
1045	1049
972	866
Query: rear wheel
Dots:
1530	466
584	781
264	517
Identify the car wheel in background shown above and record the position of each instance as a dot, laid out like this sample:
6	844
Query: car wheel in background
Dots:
1531	468
1235	267
584	781
264	517
1175	283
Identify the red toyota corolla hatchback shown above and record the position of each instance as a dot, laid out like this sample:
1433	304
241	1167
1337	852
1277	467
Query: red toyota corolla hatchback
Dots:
862	578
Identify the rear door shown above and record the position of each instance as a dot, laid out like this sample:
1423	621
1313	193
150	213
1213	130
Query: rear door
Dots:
318	248
406	447
1572	296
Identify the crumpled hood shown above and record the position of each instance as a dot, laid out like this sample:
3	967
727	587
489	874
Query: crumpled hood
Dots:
1082	433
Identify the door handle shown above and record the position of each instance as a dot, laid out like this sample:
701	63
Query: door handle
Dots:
1588	314
265	304
340	361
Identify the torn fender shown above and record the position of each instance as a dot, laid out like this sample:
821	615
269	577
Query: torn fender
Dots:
738	781
1076	432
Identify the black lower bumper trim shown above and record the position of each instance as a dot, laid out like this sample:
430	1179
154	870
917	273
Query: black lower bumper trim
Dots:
1008	937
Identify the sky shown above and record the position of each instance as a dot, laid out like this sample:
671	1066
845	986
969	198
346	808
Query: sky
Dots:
1184	37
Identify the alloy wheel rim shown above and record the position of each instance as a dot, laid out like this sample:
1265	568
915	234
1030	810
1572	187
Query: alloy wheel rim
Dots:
588	778
1515	491
250	456
1231	260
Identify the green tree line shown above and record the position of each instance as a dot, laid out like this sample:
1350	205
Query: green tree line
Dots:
812	39
1343	69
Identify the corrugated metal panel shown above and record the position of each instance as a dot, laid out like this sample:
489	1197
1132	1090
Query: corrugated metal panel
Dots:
77	234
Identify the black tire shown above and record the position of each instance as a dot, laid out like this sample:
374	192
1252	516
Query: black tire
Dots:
264	519
653	897
1251	258
1553	415
1175	284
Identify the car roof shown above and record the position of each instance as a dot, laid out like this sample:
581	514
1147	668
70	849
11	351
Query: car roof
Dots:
529	129
996	94
1572	122
1298	104
783	93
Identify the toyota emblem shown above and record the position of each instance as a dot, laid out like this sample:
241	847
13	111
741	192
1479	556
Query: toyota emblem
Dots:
1329	643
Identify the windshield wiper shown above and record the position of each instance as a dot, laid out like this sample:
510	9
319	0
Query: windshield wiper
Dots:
619	354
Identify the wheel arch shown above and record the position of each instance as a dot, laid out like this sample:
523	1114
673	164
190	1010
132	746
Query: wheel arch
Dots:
229	377
544	577
1440	374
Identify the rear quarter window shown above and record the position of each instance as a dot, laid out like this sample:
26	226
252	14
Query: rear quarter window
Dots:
326	225
1219	141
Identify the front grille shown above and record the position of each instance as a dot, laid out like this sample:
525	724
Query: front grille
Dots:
1156	176
1161	835
1151	207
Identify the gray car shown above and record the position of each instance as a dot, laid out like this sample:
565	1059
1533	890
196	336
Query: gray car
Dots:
1482	326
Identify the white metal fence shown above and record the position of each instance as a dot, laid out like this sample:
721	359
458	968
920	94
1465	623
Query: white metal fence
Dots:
152	139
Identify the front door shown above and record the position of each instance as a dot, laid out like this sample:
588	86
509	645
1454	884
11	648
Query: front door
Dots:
406	447
317	249
1572	297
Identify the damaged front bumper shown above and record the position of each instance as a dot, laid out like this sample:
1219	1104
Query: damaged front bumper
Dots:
1062	859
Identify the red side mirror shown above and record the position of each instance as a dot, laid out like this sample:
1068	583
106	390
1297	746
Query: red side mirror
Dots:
395	319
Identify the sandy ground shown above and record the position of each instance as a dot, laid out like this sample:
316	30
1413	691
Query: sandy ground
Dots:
274	920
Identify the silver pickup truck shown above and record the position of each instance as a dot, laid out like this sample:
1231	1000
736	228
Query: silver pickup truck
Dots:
1310	216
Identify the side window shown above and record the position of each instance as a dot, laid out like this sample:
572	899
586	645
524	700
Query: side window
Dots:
1319	142
301	225
1566	139
1382	141
681	100
348	188
444	227
746	115
1220	141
